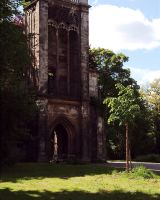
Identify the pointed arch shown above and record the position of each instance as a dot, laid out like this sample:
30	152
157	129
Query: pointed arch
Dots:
67	134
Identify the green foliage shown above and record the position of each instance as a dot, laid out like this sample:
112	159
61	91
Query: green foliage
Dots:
110	68
17	96
149	158
115	142
111	72
142	172
152	98
123	108
26	3
138	172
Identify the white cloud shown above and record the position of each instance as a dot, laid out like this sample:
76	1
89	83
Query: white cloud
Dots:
95	2
144	76
120	28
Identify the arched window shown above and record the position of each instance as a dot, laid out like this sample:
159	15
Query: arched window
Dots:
74	65
62	73
52	60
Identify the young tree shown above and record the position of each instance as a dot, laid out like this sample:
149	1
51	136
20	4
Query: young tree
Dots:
110	67
123	109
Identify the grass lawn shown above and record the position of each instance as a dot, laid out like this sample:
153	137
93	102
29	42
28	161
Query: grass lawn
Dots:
74	182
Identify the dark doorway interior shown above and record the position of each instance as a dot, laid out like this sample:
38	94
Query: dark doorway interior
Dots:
60	143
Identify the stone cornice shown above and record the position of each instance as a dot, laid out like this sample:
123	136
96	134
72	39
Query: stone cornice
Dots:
30	5
63	102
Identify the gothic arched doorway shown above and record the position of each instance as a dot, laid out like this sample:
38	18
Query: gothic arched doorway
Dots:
63	137
59	140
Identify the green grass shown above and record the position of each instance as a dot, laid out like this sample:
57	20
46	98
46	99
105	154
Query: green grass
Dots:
141	172
74	182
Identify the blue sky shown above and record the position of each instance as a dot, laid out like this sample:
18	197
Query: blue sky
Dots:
131	27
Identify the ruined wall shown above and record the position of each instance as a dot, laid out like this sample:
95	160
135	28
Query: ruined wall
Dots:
93	83
43	49
98	139
84	47
63	50
60	46
32	32
61	111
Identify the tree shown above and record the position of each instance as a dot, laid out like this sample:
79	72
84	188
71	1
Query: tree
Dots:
123	109
152	97
111	72
17	97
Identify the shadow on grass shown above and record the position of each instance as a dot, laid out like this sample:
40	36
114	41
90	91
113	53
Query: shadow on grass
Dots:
46	170
6	194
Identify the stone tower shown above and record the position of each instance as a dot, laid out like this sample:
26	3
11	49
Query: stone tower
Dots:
68	126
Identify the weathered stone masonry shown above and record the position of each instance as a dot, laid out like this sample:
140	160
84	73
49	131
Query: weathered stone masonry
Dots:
59	33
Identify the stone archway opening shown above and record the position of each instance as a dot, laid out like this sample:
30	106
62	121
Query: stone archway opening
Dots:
59	141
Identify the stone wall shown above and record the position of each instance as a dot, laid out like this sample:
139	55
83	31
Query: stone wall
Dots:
32	32
67	114
76	115
43	47
93	83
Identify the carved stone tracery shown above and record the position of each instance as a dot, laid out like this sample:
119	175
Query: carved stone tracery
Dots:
69	17
63	53
62	25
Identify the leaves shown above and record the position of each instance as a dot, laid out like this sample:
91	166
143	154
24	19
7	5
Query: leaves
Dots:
123	108
110	68
152	95
152	98
17	96
8	9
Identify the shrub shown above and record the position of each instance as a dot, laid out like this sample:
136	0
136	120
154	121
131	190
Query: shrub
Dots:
141	172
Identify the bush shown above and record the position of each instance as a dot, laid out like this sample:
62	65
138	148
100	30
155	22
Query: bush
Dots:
149	158
137	172
142	172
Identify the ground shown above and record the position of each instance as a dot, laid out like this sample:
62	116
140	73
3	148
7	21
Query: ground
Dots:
74	182
122	164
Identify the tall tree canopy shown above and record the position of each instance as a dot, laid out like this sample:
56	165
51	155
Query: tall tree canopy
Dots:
111	70
110	67
152	97
17	99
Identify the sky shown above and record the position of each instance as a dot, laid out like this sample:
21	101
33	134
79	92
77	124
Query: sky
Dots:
131	27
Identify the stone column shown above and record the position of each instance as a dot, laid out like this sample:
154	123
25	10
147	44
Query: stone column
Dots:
43	47
43	77
68	63
84	45
42	128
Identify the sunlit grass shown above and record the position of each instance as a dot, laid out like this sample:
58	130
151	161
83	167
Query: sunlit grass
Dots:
78	182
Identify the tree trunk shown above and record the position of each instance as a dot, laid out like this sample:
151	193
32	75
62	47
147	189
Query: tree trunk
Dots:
127	148
130	159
